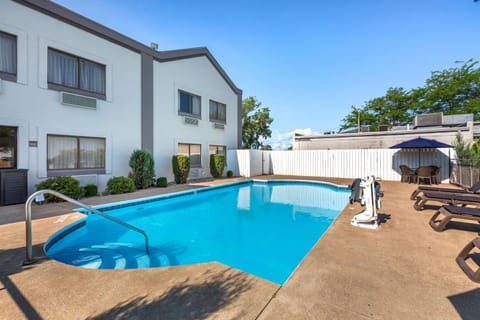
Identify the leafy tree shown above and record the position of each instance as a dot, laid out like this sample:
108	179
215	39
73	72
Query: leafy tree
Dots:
451	91
255	123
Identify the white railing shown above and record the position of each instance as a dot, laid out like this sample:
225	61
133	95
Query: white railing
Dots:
352	163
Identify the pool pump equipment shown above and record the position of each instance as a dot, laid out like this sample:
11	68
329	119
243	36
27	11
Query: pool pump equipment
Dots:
367	192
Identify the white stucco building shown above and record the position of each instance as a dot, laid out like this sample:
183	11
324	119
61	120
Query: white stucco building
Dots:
76	98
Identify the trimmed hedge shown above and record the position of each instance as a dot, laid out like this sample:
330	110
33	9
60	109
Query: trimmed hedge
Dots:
143	169
162	182
229	173
90	190
181	168
65	185
119	185
217	164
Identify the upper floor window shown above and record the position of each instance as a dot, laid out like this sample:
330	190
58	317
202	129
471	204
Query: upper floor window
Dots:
194	151
8	147
70	73
189	104
8	56
218	111
70	153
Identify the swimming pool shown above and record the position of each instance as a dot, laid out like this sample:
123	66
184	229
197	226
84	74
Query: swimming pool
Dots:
263	228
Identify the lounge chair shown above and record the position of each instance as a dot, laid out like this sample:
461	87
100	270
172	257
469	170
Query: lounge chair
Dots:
467	254
408	175
473	189
449	198
453	212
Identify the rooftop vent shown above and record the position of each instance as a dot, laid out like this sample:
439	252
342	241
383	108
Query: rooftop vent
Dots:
75	100
428	120
383	127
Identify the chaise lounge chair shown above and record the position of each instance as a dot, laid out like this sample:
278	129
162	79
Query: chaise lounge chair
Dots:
473	189
453	212
467	254
450	198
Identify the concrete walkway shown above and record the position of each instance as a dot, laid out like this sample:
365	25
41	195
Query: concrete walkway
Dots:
405	270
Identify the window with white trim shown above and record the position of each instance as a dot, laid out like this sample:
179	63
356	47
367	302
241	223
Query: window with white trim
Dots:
72	153
74	74
194	151
8	56
218	112
189	104
8	147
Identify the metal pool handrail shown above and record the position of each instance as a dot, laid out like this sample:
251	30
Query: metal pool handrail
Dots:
28	220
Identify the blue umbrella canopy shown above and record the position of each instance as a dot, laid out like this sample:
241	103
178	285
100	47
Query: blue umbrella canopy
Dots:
418	143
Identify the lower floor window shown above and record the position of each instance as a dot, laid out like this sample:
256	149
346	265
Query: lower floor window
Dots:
194	151
8	147
68	152
214	149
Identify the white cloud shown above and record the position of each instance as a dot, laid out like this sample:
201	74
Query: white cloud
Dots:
283	140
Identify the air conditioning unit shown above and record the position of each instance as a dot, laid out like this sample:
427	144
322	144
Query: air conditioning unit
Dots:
218	126
75	100
192	121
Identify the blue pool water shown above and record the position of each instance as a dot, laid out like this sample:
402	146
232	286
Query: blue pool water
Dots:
261	228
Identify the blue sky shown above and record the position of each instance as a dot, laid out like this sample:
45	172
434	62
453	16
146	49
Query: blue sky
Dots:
308	61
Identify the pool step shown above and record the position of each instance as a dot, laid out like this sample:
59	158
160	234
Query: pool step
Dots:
105	256
115	255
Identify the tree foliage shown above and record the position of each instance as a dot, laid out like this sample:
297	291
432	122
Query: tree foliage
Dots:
142	168
467	153
451	91
256	122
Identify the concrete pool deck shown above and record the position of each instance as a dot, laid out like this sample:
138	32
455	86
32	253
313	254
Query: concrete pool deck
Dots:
405	270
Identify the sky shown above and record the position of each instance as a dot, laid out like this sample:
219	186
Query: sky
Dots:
307	61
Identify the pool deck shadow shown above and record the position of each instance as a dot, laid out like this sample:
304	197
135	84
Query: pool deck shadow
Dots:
404	270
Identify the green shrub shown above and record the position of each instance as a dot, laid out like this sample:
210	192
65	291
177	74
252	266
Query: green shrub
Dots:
217	164
65	185
162	182
143	169
90	190
229	173
118	185
181	168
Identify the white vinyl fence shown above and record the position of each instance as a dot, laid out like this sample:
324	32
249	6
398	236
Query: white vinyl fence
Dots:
353	163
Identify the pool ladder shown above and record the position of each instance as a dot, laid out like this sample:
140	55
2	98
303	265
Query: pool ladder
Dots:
28	220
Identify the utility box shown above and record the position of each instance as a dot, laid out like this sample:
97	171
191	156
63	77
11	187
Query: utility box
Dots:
13	186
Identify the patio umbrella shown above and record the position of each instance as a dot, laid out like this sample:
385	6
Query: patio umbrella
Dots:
420	143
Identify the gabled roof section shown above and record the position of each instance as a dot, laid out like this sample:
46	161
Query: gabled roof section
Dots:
70	17
172	55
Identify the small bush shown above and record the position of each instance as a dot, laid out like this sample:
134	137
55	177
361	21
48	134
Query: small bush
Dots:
90	190
181	168
65	185
229	173
143	169
118	185
217	164
162	182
